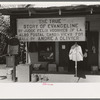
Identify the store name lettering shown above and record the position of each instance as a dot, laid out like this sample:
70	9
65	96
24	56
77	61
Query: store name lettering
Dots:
52	29
30	26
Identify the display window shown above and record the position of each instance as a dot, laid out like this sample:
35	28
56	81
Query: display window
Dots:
46	51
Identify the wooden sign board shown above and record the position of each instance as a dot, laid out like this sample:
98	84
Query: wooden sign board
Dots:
51	29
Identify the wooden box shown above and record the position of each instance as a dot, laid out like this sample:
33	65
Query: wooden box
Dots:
52	67
10	61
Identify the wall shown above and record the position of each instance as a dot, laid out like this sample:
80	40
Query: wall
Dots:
95	26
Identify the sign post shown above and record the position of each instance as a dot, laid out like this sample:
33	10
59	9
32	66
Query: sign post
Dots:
76	63
75	68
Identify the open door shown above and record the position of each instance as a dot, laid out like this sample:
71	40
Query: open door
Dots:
63	55
91	44
93	49
69	65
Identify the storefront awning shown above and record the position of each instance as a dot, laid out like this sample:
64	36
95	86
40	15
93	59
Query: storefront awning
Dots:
69	9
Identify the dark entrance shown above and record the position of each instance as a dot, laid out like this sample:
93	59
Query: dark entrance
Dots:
69	65
63	55
64	48
91	44
93	49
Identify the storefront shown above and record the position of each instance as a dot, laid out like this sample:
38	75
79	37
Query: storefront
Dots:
50	36
44	35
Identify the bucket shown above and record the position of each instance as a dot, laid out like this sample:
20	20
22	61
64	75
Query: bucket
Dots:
34	78
9	74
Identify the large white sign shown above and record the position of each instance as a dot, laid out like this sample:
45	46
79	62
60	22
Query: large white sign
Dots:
51	29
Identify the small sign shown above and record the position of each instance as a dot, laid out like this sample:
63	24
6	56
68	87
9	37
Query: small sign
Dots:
63	46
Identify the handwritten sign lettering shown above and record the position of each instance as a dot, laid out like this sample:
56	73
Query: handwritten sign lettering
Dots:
51	29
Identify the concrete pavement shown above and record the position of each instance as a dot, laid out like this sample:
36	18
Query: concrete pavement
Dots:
58	78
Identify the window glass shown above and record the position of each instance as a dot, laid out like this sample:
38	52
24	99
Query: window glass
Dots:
46	51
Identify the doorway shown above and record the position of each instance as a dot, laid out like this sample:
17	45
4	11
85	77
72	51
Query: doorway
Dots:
91	44
63	55
64	61
93	49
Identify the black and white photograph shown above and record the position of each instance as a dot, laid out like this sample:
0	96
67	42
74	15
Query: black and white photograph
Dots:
50	42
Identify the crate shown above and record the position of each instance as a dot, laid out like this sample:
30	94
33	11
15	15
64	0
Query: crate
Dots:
52	67
10	61
23	73
61	69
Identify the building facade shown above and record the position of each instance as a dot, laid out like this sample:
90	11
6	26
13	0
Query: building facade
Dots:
56	53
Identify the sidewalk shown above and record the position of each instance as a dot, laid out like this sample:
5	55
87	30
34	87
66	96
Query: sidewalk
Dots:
61	78
64	79
57	78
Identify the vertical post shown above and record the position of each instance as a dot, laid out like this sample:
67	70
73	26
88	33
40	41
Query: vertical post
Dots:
76	68
26	54
76	60
14	69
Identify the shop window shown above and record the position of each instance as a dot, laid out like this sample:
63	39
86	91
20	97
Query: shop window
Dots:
46	51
